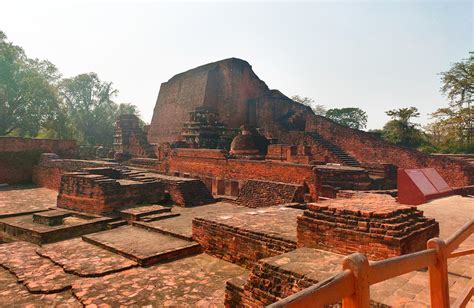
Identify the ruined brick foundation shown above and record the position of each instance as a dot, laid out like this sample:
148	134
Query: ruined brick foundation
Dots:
261	193
98	194
372	224
245	238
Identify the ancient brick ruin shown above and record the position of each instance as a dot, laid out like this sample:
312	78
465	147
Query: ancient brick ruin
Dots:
369	223
234	196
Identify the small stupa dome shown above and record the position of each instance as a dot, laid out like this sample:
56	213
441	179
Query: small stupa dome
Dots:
249	144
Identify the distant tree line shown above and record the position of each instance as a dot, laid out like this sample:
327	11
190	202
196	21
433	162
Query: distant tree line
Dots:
450	129
35	101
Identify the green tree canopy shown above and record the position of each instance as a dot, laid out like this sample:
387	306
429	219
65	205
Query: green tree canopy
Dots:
350	117
29	98
458	82
401	130
453	126
90	107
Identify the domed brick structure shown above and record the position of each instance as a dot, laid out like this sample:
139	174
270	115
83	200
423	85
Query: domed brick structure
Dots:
249	144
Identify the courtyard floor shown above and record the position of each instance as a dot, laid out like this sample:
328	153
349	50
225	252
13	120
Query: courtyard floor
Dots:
76	272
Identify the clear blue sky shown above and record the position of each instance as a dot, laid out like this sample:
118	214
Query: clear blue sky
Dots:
375	55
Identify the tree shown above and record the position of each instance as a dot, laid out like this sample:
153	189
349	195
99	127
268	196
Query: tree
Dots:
91	111
127	108
307	101
458	87
29	98
400	130
449	131
458	82
90	108
350	117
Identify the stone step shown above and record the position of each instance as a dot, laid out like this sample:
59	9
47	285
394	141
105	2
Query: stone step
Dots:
158	216
115	224
143	246
337	151
135	213
162	230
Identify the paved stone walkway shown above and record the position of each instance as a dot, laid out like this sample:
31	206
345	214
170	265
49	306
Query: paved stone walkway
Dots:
13	294
84	259
183	224
275	221
25	199
143	246
197	281
38	274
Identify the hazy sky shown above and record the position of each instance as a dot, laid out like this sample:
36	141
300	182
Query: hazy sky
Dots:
375	55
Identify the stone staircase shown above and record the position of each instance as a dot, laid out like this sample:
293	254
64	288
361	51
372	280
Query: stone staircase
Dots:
337	151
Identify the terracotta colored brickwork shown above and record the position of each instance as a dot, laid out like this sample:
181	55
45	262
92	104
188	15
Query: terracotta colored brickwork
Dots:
182	191
201	153
16	167
244	238
280	276
241	170
146	163
130	138
366	147
373	224
233	90
343	177
49	177
19	155
318	152
300	153
261	193
49	170
64	148
98	194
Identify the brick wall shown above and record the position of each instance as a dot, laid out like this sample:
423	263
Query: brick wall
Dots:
237	245
98	194
200	153
343	177
16	167
19	155
47	173
234	91
64	148
261	193
319	152
49	177
242	170
365	147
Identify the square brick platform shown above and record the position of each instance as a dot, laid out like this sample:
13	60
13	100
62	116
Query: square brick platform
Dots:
369	223
142	246
246	237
